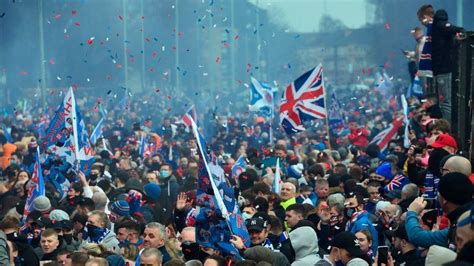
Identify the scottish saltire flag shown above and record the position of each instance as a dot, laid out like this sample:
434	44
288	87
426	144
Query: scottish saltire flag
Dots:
67	136
190	116
397	183
425	67
239	167
261	97
415	88
383	82
97	133
406	139
335	116
276	185
35	186
303	100
218	217
7	134
383	138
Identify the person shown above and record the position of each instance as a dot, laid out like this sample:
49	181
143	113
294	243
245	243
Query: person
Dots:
154	236
401	243
64	257
464	230
294	214
4	249
214	260
258	227
151	256
304	242
49	245
359	218
373	188
95	261
365	242
348	250
128	232
97	232
456	163
455	195
287	194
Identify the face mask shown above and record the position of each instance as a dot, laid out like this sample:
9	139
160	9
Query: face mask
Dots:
246	216
191	251
67	238
93	232
164	174
93	176
350	212
333	220
11	237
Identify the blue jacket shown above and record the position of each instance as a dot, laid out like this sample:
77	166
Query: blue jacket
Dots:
423	238
363	222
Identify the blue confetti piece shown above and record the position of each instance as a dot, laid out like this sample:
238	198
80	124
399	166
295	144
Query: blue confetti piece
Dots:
289	66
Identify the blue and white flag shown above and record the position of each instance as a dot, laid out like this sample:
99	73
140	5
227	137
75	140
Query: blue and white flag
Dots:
97	133
239	166
35	186
383	82
406	139
416	88
67	136
261	97
276	186
335	115
7	134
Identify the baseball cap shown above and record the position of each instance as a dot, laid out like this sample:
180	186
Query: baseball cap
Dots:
42	222
348	241
444	140
256	224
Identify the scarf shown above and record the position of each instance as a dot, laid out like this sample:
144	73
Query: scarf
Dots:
425	65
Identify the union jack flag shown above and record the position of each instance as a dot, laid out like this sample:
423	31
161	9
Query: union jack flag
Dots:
303	100
397	183
383	138
35	187
190	116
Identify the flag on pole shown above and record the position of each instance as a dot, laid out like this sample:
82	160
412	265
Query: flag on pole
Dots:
383	82
67	136
35	186
97	133
261	97
416	88
277	178
303	100
383	138
406	139
6	134
189	117
218	217
239	166
335	115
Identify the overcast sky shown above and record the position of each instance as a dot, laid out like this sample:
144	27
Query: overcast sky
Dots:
304	15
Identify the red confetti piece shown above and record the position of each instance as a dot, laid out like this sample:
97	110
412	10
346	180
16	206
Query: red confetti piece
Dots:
52	61
58	16
236	37
77	24
118	65
387	26
90	41
143	17
154	54
218	59
249	66
226	45
147	39
74	12
169	97
24	72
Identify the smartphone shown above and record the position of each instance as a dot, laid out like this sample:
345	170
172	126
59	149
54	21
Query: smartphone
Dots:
382	252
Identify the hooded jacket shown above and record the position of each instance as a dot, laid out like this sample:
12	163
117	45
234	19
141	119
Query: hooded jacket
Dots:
305	244
110	241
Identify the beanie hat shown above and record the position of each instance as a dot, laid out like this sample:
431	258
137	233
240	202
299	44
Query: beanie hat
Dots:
152	190
295	170
455	188
120	207
385	170
42	204
58	215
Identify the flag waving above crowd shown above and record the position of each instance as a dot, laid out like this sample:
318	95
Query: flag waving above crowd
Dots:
261	97
303	100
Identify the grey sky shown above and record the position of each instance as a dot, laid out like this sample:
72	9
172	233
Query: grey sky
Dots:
304	15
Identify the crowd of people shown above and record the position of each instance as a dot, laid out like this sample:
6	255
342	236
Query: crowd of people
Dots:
342	200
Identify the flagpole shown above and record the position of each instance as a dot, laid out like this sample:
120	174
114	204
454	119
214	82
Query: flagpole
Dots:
271	121
327	121
74	128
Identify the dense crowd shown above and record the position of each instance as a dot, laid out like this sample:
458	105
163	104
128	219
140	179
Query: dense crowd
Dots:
342	201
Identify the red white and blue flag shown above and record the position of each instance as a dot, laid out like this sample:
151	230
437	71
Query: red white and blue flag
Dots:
35	187
303	100
239	167
397	183
190	116
383	138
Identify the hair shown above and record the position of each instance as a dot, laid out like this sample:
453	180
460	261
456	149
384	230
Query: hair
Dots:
280	147
103	219
298	208
367	234
130	225
374	184
410	190
78	258
335	199
97	262
261	187
94	249
275	223
174	262
341	167
356	172
149	252
316	169
65	252
166	164
442	125
161	228
219	259
130	252
9	222
260	204
321	182
77	187
49	232
427	10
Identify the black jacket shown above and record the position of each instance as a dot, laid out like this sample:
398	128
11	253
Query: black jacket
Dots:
443	43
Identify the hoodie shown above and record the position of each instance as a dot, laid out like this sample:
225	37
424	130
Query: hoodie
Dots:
305	244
